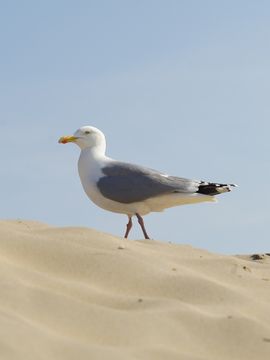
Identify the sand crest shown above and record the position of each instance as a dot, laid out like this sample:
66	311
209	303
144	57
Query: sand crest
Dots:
75	293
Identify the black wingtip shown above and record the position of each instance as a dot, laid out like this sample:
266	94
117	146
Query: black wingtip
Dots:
214	189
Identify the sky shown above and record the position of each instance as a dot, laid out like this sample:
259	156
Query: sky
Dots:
178	86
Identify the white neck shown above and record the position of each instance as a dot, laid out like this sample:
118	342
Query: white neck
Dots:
90	163
91	155
97	151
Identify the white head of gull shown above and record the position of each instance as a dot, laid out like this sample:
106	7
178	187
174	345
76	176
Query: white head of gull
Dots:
132	189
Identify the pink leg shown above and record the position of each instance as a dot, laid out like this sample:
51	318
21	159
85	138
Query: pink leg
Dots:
141	222
129	226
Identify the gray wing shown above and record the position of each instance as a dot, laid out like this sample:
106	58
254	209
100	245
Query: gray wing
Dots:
127	183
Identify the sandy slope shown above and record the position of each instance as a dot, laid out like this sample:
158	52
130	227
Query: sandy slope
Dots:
75	293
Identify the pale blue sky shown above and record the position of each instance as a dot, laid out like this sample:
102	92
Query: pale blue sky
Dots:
180	86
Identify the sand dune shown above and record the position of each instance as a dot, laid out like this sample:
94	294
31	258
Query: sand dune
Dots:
75	293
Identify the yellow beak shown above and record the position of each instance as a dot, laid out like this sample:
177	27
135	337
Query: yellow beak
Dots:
66	139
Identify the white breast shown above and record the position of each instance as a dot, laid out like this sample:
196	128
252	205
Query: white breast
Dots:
89	167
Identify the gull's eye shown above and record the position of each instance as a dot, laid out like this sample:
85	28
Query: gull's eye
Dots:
87	132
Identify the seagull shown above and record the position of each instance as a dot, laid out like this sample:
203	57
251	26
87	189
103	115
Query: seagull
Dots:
131	189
